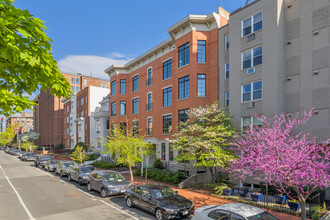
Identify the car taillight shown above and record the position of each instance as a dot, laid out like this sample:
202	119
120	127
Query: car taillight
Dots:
194	212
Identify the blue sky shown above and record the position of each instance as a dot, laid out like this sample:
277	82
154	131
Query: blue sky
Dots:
89	36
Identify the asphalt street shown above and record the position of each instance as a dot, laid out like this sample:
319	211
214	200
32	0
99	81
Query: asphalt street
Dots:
27	192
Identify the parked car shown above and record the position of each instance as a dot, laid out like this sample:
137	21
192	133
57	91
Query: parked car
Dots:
21	154
63	167
80	173
51	165
159	200
7	149
41	160
29	157
2	148
237	211
15	152
108	183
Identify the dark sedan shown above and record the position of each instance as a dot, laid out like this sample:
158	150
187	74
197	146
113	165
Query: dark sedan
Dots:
51	165
108	183
80	173
28	157
2	148
41	160
160	200
63	167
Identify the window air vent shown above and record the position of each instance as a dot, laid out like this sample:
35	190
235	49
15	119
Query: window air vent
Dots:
251	105
316	72
289	42
250	37
251	70
288	78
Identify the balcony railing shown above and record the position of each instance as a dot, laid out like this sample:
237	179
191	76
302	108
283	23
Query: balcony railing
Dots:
149	106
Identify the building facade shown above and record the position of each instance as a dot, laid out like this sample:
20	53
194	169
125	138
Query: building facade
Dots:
23	122
274	57
78	124
151	94
51	110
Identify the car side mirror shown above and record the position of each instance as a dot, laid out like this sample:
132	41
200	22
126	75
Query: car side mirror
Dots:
176	192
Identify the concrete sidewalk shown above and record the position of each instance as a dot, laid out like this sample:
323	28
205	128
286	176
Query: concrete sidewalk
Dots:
200	199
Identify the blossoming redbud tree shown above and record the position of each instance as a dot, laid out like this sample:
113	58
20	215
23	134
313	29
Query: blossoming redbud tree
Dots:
278	154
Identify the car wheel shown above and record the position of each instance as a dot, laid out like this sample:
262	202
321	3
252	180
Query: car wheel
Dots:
80	181
159	214
129	202
69	178
89	187
103	193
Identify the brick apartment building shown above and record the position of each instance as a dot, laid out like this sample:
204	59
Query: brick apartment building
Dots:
23	120
154	90
79	126
50	110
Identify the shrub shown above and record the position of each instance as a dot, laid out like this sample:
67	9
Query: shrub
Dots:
137	172
163	175
93	157
318	211
219	189
59	147
82	144
103	164
158	164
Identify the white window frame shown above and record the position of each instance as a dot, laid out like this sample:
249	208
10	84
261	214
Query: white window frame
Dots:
251	124
252	90
137	97
227	42
148	101
133	82
252	23
252	57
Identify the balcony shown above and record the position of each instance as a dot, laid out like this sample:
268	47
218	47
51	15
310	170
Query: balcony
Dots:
149	106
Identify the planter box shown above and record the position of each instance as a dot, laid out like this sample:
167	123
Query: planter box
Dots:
228	192
243	192
294	206
256	197
280	199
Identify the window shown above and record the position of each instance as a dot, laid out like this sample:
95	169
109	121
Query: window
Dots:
105	85
167	124
107	124
149	77
113	109
135	106
77	81
123	86
113	129
248	61
67	130
201	85
98	129
183	116
122	107
167	69
149	102
250	123
201	51
101	84
135	83
113	87
85	99
252	91
149	126
135	128
123	127
226	98
167	97
85	81
252	24
67	108
86	113
184	85
73	80
171	156
73	89
226	42
163	151
77	88
184	52
219	214
82	114
227	71
81	101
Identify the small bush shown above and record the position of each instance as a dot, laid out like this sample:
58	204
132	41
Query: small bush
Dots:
104	164
163	175
137	172
59	147
219	189
93	157
158	164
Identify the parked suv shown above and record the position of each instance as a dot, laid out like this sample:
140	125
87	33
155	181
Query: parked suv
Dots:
108	183
63	167
29	157
41	160
80	173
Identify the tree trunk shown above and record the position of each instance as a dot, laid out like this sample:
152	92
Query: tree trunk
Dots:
302	201
131	173
212	174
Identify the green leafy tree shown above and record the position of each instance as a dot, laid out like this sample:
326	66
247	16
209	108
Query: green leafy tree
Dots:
205	138
79	155
26	61
127	148
29	146
7	136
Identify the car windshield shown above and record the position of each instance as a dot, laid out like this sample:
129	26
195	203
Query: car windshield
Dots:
46	158
68	164
115	177
86	169
262	216
162	193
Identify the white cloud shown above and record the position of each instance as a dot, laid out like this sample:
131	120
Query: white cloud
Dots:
87	64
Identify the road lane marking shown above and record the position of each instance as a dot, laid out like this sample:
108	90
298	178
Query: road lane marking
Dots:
18	196
119	210
85	192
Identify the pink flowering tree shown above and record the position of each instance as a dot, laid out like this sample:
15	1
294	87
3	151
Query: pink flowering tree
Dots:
277	153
